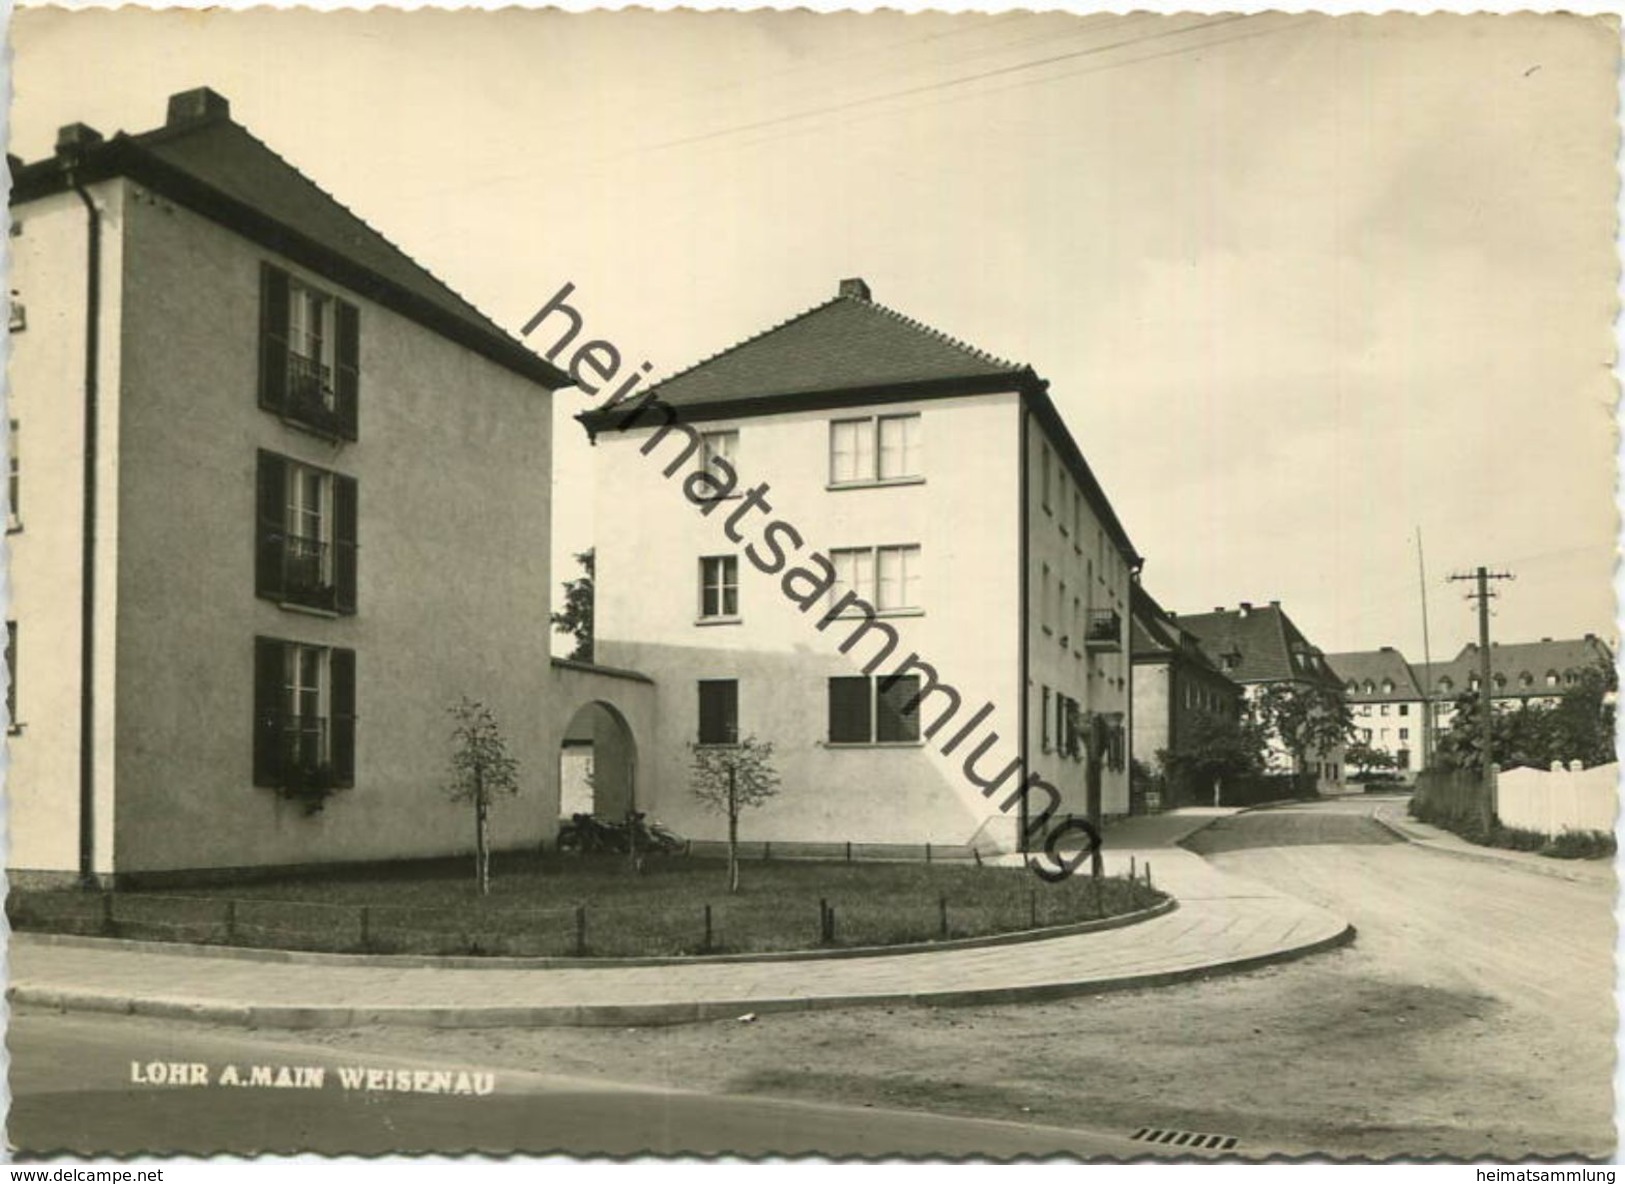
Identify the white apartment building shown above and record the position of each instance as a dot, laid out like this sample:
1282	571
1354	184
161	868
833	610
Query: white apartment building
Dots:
881	550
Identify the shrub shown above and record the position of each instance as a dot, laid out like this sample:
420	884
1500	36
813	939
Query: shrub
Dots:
1580	844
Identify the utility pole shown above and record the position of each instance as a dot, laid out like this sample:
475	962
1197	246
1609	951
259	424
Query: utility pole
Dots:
1482	578
1429	720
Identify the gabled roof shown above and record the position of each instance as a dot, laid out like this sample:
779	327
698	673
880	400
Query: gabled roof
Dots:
850	352
1524	666
1378	669
848	343
205	161
1263	642
1156	635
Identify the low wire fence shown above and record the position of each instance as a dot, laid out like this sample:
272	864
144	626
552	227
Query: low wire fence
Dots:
667	924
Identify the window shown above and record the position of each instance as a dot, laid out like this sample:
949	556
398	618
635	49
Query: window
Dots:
1077	625
1388	686
1365	734
304	707
19	313
309	355
1383	709
719	587
1044	727
866	451
714	445
1551	678
1404	709
880	710
11	676
14	484
306	537
1061	612
1047	477
1526	680
1045	596
1404	733
1077	521
886	577
719	711
899	447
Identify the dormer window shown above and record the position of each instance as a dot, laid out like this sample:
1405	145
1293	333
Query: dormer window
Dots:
1388	686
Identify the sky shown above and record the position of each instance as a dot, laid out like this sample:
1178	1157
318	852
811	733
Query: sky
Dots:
1303	288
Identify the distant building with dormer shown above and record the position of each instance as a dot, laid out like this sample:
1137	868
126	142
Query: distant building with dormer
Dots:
1259	646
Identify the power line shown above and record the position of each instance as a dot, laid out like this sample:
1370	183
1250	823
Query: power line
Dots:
944	84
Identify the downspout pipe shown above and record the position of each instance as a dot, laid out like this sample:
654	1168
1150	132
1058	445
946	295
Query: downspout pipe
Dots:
87	561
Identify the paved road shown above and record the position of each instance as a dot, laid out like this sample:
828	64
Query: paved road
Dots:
73	1091
1532	941
1536	950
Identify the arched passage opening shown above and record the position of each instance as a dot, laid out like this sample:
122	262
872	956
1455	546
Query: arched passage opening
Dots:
598	761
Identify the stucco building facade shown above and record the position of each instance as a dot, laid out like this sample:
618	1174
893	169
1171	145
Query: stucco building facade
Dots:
882	551
259	452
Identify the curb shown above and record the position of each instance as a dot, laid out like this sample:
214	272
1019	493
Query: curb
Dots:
1555	871
628	1015
471	962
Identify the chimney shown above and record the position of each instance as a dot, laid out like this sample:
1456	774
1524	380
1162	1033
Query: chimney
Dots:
1246	608
1387	649
75	139
1275	604
856	288
1218	608
1591	637
1546	639
199	105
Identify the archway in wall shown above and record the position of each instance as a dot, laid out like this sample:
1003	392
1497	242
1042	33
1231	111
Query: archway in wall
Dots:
598	761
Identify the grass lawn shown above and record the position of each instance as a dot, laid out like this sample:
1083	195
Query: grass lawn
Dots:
532	908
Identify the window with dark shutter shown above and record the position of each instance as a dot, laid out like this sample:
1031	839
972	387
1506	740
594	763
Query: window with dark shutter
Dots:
270	528
850	711
305	535
273	338
347	370
719	711
341	672
269	711
11	675
345	511
310	351
897	714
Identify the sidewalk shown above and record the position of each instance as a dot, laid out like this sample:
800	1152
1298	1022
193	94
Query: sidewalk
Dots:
1223	923
1393	816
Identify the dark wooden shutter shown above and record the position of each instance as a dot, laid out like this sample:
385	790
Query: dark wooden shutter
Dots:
273	337
849	711
344	542
341	669
719	711
347	380
270	528
268	707
897	716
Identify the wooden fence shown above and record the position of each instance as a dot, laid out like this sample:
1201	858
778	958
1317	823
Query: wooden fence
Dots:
1551	802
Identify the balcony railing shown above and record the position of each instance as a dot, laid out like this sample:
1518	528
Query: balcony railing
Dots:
306	573
1103	633
310	397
